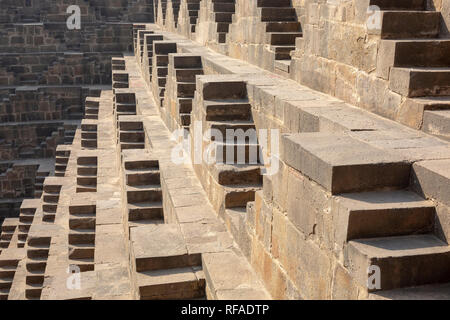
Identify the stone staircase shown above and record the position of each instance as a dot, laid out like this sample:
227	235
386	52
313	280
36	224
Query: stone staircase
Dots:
8	267
381	222
124	103
415	61
130	133
191	9
27	213
91	108
62	159
181	85
234	168
89	134
36	262
147	60
162	267
87	174
50	198
222	11
82	225
282	29
142	187
161	51
8	228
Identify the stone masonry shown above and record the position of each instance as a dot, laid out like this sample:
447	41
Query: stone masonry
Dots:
332	182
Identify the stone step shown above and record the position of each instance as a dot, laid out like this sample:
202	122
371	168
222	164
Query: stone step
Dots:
282	38
404	261
36	264
177	284
412	53
130	124
81	251
4	293
283	26
273	3
237	153
132	136
399	4
383	214
237	174
49	217
269	14
126	107
82	223
237	128
242	284
427	292
282	52
142	177
120	76
87	181
188	75
33	291
238	196
93	102
89	143
5	282
141	164
86	161
420	82
410	24
132	145
160	247
185	61
87	170
431	179
82	236
227	110
37	252
145	193
35	277
8	271
211	89
89	135
342	164
84	264
437	123
145	211
185	89
124	96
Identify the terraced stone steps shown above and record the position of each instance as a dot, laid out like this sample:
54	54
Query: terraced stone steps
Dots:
162	265
183	69
87	174
82	224
131	133
124	103
235	170
62	159
27	212
8	267
161	50
222	12
143	188
50	198
414	58
37	255
89	134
